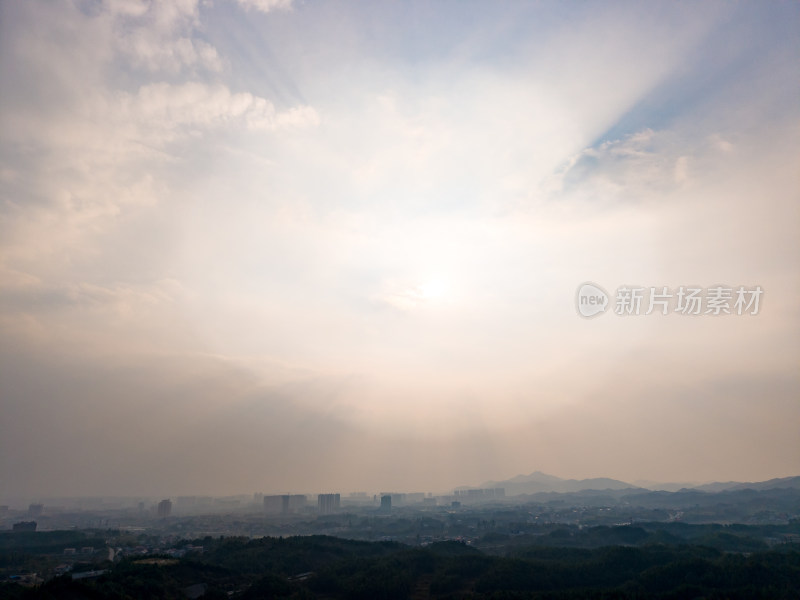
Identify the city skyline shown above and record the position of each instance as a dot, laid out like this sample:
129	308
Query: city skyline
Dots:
521	488
274	245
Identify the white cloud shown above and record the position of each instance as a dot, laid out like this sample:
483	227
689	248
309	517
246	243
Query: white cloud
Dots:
162	110
265	5
160	36
94	155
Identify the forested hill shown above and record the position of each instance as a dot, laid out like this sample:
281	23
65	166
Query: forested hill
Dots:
327	567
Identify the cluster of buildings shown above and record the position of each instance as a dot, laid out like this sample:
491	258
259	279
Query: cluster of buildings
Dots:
288	504
479	495
275	504
285	504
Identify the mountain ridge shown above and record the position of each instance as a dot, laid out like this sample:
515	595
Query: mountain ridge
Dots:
538	482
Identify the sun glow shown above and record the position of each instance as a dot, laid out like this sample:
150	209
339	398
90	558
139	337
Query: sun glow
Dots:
416	294
433	289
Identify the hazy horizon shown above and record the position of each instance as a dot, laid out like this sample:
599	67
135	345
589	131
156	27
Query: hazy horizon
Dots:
273	245
355	496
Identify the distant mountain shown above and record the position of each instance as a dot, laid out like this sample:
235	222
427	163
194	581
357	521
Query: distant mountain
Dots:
716	486
658	486
538	482
720	486
772	484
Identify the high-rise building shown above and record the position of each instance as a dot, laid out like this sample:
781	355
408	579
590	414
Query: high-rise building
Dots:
273	504
386	503
164	509
297	502
284	503
328	503
35	510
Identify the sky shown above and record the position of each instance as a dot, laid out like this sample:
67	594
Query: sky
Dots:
295	246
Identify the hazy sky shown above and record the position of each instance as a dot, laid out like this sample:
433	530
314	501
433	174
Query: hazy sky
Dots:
263	245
